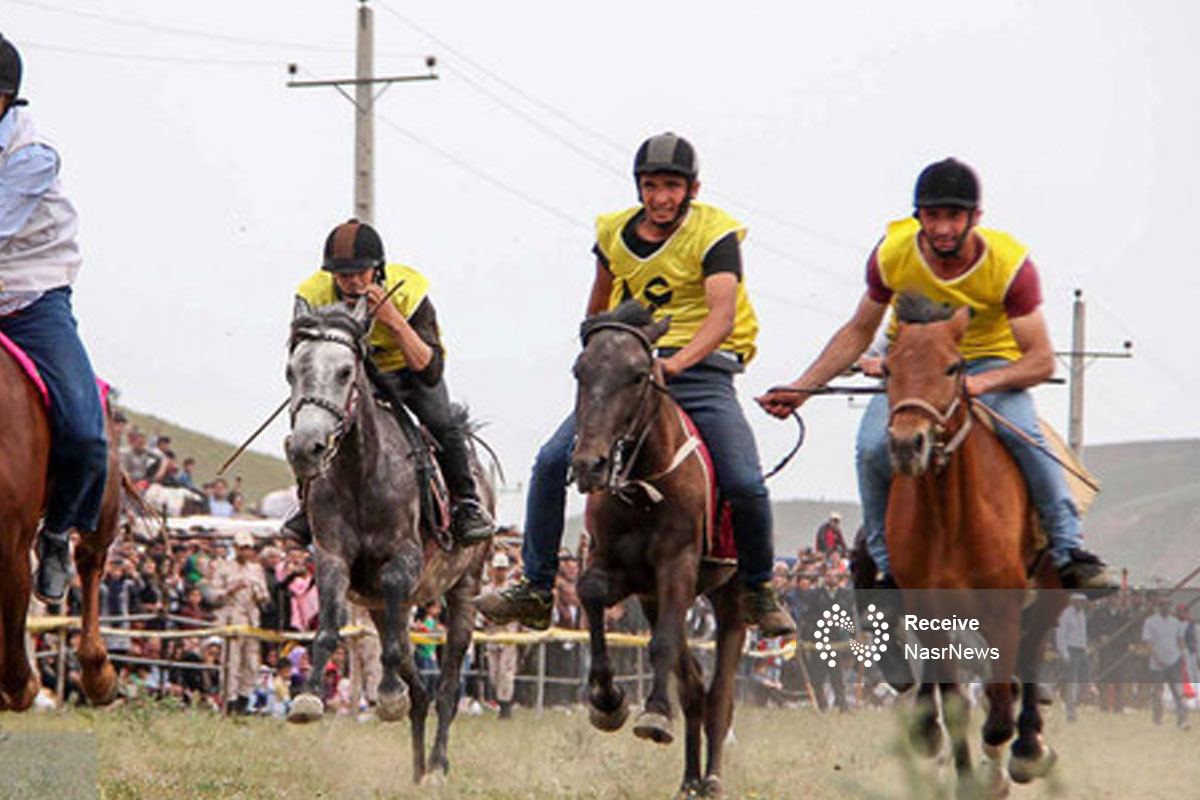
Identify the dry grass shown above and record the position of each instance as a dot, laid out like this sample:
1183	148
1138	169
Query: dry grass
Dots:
146	751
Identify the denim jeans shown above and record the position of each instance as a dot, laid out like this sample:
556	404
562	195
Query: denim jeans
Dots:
79	449
709	398
1048	490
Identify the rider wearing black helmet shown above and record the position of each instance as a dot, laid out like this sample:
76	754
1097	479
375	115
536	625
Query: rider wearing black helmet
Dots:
39	260
682	259
407	353
941	253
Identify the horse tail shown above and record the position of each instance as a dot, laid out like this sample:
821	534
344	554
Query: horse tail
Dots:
460	416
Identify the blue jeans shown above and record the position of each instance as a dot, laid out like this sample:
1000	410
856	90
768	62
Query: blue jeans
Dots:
1044	477
78	449
709	398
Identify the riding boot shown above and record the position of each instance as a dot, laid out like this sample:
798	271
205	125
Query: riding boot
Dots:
884	595
296	526
1086	573
469	520
761	607
522	602
54	566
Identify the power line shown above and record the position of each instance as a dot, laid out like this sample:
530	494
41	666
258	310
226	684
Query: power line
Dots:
187	32
202	62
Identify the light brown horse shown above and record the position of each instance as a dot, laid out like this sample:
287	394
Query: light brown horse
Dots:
24	459
646	486
959	518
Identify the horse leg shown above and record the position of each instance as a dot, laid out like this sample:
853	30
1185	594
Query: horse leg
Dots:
718	710
99	678
924	731
333	578
956	711
1030	756
675	580
401	689
607	706
997	729
460	606
18	683
691	703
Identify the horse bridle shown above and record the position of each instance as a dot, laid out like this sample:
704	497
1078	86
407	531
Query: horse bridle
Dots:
624	450
343	414
943	447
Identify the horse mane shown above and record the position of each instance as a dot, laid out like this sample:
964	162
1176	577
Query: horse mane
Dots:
918	309
630	312
335	316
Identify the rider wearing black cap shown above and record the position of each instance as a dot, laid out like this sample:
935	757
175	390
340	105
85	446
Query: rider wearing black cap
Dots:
941	253
408	356
682	259
39	260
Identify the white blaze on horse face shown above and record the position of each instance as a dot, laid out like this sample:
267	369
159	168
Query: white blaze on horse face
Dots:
323	378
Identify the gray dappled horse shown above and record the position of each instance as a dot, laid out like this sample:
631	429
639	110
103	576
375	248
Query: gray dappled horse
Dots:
363	507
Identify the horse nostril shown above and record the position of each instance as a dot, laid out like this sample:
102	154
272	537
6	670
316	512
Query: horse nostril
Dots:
317	448
919	443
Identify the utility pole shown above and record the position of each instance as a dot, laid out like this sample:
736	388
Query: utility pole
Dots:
364	83
1079	359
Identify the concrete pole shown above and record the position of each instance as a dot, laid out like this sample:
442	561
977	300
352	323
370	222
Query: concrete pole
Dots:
364	124
1078	341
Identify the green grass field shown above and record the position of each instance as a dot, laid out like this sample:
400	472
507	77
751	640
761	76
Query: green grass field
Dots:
147	751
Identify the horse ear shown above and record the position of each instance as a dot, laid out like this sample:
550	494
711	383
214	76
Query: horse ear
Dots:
657	329
301	308
959	322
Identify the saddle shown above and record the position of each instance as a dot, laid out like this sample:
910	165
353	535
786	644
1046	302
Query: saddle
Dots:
31	371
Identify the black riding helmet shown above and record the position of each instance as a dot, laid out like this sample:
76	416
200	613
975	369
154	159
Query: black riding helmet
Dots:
10	71
352	247
671	154
947	184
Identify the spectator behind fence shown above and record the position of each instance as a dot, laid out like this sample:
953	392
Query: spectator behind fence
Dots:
1163	635
239	589
829	537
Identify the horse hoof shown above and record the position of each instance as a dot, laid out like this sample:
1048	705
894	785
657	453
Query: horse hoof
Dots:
609	721
711	787
306	708
434	778
1024	769
690	790
104	688
392	706
988	783
23	700
654	726
926	739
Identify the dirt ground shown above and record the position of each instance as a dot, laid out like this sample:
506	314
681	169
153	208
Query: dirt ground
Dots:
148	751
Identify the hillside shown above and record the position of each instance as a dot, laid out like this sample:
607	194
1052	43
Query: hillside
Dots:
260	473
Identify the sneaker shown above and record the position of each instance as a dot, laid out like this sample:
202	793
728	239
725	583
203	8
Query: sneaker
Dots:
1086	573
761	607
470	522
54	567
296	527
522	602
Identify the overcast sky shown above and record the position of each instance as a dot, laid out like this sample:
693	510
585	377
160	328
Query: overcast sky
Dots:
206	187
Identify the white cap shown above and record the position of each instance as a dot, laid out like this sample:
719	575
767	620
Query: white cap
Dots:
243	539
500	561
835	515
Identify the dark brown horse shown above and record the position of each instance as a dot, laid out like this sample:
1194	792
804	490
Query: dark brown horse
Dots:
646	484
959	518
24	460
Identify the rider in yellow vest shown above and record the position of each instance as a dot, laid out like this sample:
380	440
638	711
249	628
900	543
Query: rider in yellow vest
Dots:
407	354
681	259
941	252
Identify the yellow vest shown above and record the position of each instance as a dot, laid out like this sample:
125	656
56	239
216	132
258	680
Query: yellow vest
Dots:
319	290
982	287
671	281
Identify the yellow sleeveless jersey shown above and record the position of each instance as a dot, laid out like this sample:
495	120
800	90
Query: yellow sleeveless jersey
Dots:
982	287
319	290
671	280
